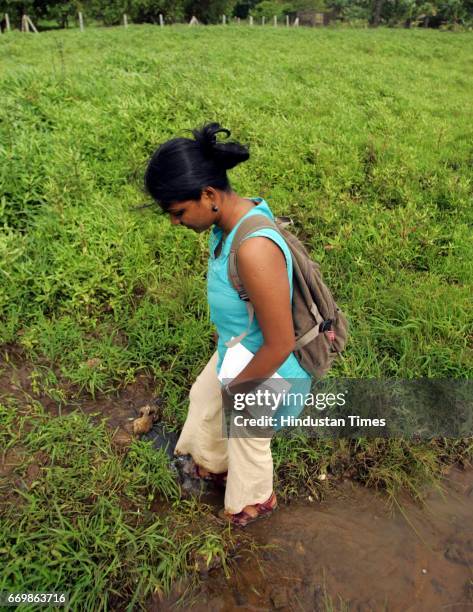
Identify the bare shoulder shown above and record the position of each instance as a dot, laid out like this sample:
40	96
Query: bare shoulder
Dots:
259	251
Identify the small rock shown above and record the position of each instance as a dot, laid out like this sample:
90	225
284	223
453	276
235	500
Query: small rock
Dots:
310	498
278	597
122	438
322	476
128	427
142	425
424	571
147	410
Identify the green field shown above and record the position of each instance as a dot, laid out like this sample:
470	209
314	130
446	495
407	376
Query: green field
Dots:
364	137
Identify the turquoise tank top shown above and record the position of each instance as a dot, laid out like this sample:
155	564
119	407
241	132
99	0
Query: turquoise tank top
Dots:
229	314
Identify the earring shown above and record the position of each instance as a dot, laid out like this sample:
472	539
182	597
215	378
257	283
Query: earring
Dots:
215	208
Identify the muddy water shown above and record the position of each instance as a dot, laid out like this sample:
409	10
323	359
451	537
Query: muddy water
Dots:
349	552
351	549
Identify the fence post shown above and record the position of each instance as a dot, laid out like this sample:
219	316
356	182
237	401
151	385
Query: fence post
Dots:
262	20
224	19
287	21
251	20
81	22
24	24
125	20
296	22
275	21
7	22
238	21
30	23
161	20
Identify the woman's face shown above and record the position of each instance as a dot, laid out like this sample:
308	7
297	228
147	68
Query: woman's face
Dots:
196	215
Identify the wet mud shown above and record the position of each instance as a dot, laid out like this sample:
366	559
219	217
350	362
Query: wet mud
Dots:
17	381
349	552
353	552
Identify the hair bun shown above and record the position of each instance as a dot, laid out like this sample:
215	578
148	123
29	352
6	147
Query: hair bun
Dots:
206	136
225	154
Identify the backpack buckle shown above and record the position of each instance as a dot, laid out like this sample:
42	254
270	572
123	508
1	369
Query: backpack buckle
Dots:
326	328
284	222
243	295
326	325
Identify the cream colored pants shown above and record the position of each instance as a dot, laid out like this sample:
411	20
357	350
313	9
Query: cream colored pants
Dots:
248	460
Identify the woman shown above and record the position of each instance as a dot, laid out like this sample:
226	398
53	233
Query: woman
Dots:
188	178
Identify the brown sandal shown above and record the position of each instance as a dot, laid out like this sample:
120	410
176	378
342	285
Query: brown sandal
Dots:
242	519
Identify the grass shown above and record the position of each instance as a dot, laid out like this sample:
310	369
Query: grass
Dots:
378	180
79	517
362	136
390	465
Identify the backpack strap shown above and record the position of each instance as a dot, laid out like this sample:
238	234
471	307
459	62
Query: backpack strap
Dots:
247	227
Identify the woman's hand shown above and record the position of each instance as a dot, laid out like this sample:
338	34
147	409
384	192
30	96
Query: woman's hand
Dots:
262	270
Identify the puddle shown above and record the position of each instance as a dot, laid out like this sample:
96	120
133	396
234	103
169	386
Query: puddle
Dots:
352	549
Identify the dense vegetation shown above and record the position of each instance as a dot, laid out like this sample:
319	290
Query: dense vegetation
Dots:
407	13
363	136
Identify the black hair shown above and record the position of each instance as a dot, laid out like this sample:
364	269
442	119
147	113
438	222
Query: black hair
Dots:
181	168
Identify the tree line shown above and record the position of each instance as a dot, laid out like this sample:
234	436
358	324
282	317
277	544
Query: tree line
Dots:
407	13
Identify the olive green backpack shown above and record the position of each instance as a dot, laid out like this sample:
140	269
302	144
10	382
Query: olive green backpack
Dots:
320	327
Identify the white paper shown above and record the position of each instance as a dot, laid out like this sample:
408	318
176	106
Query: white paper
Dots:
237	358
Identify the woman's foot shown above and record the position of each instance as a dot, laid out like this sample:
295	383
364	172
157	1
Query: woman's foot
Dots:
219	480
249	514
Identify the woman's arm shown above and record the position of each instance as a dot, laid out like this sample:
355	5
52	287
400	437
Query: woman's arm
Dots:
262	270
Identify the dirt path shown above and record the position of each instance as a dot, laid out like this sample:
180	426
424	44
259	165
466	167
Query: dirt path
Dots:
351	553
